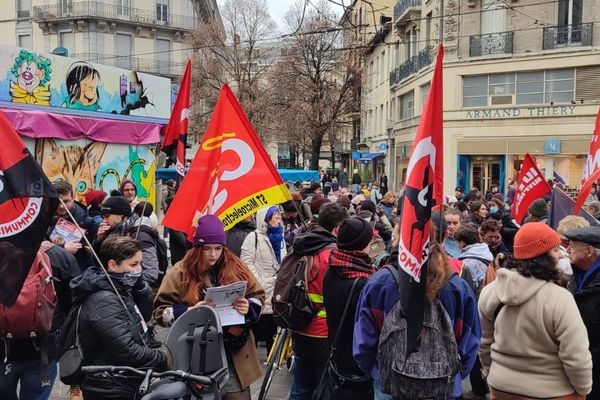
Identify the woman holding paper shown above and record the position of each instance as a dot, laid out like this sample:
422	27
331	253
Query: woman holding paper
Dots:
210	264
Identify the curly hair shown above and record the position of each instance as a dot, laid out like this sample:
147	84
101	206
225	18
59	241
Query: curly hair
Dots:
490	225
438	271
542	267
231	269
43	64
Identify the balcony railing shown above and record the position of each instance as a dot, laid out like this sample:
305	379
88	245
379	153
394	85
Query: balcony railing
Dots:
491	43
567	36
158	67
401	8
96	9
412	66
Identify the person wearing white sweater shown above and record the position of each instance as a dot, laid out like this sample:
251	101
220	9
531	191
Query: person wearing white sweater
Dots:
534	342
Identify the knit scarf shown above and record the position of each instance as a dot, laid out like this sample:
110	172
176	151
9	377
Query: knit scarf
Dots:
275	234
351	264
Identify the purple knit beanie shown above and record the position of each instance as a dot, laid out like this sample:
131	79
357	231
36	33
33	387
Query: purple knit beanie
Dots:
209	231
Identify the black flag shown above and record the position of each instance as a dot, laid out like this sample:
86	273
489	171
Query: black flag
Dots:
27	203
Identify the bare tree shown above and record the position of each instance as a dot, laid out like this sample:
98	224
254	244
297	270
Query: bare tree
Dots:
318	78
234	53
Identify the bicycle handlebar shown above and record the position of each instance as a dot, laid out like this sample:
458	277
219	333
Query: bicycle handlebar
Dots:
203	380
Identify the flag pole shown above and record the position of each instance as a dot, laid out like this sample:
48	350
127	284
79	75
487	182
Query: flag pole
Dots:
94	254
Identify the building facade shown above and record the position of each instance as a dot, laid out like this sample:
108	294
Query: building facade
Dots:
142	35
519	77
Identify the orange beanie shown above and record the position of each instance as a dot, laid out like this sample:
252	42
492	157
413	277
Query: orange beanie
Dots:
534	239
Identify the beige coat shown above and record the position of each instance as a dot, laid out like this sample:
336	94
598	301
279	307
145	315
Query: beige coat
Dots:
538	345
245	360
258	255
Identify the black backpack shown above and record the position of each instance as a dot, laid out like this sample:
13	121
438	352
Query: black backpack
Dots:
292	308
429	371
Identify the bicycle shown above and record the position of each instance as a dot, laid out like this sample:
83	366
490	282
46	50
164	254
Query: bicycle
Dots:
281	354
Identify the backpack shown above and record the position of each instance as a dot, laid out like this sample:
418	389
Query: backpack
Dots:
429	371
292	308
32	313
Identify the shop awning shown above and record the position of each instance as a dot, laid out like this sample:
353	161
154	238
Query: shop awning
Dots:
370	156
287	175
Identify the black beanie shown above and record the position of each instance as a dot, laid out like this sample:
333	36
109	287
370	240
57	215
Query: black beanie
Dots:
116	205
354	234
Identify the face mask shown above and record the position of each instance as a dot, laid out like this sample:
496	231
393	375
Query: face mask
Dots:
493	209
127	279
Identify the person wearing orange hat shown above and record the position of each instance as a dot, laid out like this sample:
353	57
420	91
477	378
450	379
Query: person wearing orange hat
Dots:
534	343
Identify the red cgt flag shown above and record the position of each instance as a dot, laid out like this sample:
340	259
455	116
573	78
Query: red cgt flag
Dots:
591	169
231	176
531	186
424	179
176	130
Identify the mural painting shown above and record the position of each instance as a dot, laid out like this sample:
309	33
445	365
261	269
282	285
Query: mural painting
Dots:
47	80
91	165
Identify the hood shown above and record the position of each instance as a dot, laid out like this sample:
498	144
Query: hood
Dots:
145	221
313	241
92	280
477	250
261	224
514	289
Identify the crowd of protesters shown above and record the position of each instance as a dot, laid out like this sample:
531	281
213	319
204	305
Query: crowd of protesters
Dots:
522	299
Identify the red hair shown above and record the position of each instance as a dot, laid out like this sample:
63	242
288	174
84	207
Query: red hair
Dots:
231	269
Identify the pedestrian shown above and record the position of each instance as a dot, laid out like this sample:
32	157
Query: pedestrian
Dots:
490	233
110	327
383	184
310	345
381	293
567	224
458	192
454	219
478	211
262	252
210	264
489	195
356	181
388	203
349	262
94	200
376	194
537	212
584	251
511	192
343	178
129	191
290	218
534	343
593	207
236	235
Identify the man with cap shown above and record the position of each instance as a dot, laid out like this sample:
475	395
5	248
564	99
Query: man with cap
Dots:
350	261
584	253
458	192
537	211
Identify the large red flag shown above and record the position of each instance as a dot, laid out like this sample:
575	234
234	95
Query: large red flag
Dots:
27	203
530	187
424	179
423	190
231	175
591	169
176	130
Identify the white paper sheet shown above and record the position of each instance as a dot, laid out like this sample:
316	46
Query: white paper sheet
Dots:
223	297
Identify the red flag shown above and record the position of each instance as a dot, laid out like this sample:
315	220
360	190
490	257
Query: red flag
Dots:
176	130
231	175
27	203
591	169
424	179
531	186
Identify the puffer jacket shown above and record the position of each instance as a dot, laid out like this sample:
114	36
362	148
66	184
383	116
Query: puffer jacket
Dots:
258	255
237	235
111	335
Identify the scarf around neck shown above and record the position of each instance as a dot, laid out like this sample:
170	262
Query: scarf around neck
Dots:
351	264
275	235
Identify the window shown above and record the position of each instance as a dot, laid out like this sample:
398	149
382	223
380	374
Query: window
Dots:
424	93
163	55
393	109
381	119
24	41
428	28
66	6
494	18
23	8
124	51
532	87
66	39
407	105
123	7
162	11
570	12
382	71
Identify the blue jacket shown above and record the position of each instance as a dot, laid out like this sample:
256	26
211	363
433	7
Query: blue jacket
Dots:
378	297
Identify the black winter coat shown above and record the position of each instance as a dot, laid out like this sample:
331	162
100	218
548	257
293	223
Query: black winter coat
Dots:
110	335
588	302
237	235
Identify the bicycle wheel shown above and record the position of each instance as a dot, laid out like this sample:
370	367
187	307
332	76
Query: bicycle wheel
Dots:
273	364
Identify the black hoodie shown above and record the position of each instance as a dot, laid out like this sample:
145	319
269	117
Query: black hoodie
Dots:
111	334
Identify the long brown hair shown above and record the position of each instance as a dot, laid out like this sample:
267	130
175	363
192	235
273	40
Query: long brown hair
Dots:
438	271
196	268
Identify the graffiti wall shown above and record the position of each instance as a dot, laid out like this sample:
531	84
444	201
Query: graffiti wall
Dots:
47	80
91	165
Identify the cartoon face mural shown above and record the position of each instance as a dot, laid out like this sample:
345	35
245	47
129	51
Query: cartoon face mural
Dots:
31	73
26	77
95	165
82	85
